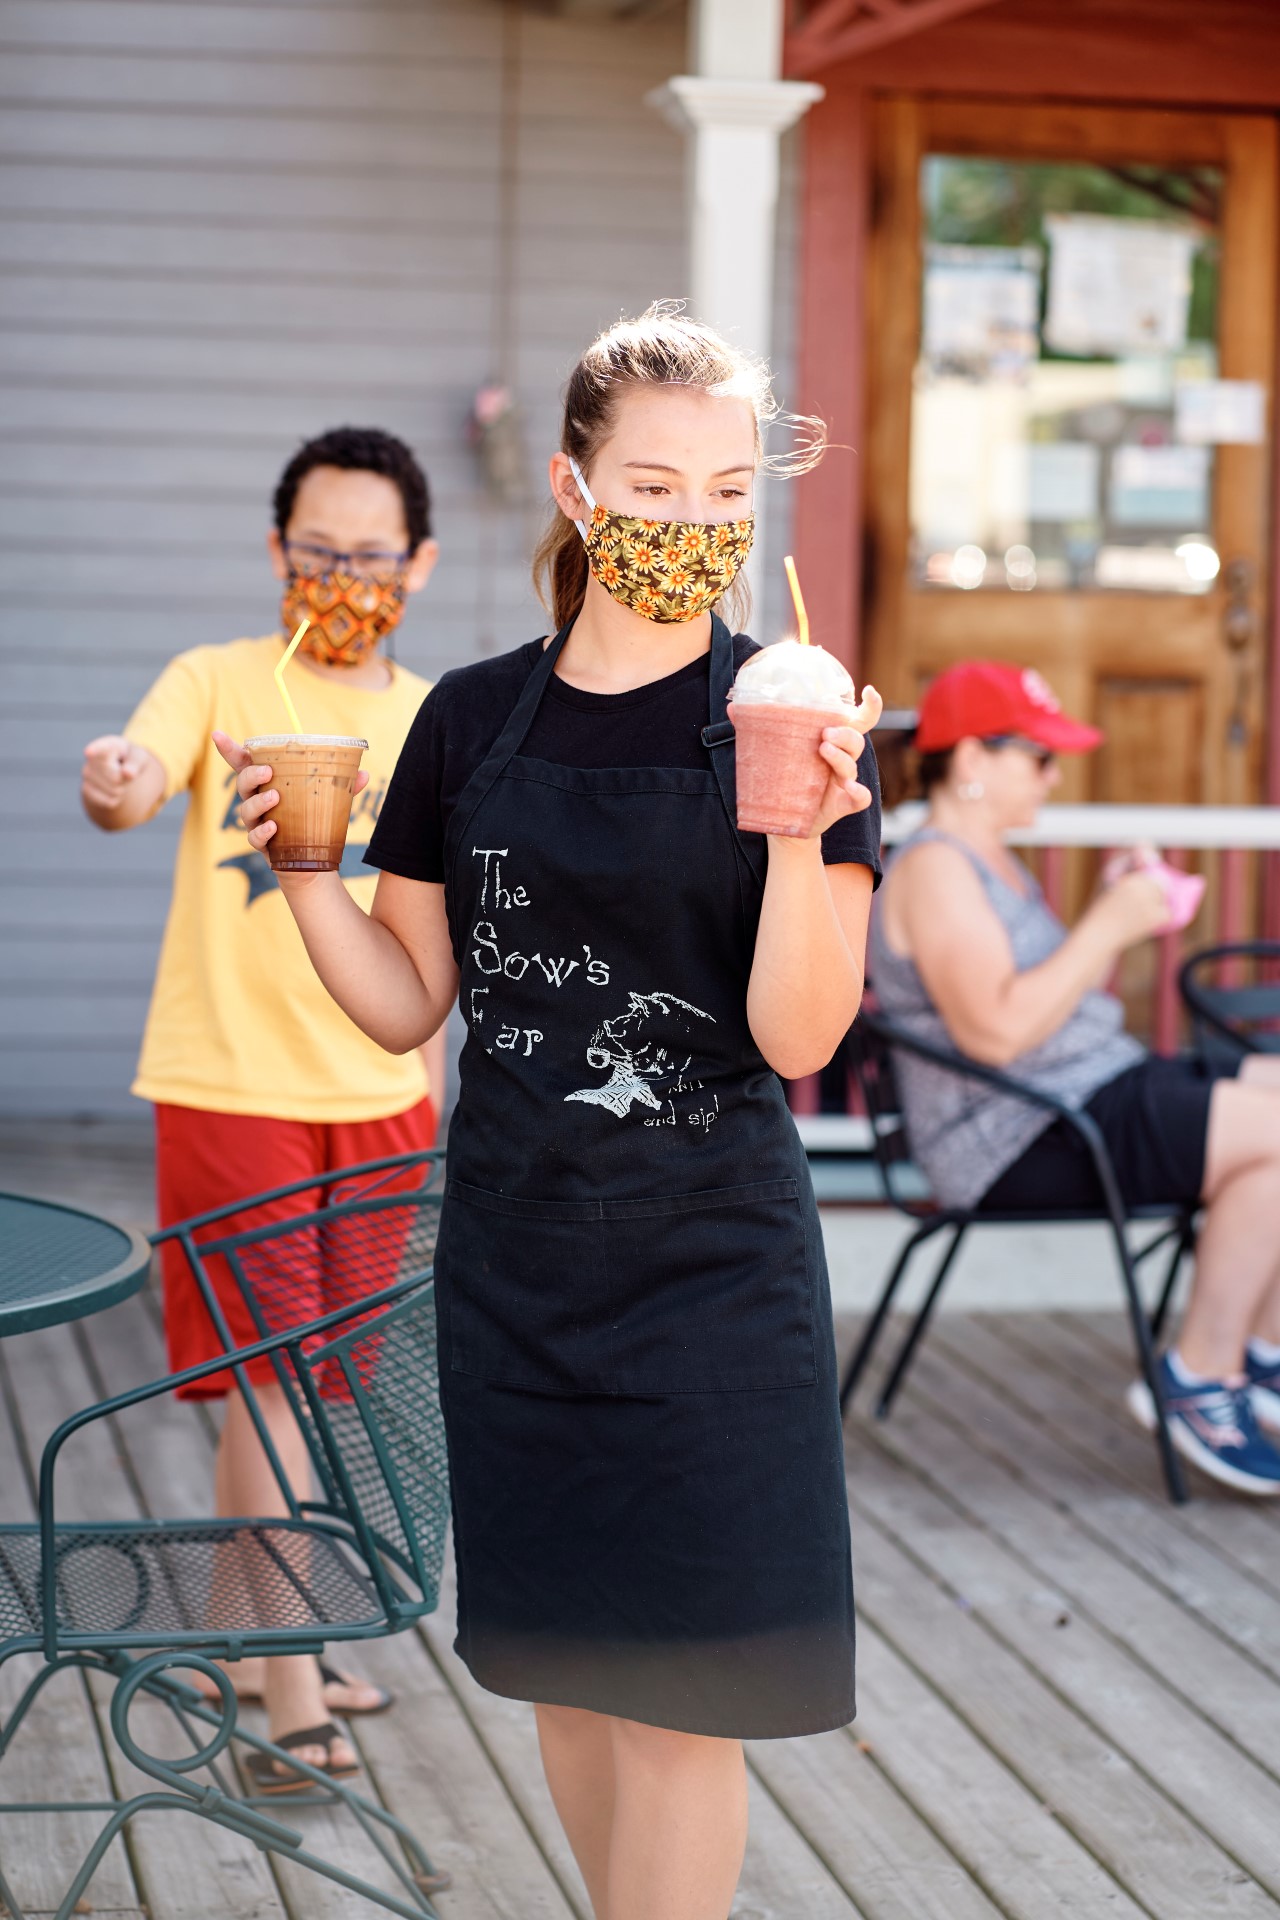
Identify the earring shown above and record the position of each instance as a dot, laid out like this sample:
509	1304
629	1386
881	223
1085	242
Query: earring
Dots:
971	790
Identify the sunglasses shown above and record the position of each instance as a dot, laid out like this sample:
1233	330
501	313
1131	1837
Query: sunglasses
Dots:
1044	757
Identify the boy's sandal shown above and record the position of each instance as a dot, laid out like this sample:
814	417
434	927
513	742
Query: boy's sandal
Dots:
331	1677
268	1776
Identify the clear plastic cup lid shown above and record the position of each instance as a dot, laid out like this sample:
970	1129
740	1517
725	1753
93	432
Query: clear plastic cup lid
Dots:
306	740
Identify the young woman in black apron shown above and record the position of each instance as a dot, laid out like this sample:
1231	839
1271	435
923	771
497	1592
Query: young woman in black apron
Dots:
637	1366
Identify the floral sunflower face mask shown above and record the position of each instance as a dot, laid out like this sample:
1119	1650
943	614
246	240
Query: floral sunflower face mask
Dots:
665	570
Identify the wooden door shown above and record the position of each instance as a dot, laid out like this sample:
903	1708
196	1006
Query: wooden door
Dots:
980	409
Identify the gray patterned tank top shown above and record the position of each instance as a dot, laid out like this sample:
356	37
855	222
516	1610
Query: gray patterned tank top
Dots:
964	1134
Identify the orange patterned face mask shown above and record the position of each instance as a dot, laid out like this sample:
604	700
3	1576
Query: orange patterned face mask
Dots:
349	615
665	570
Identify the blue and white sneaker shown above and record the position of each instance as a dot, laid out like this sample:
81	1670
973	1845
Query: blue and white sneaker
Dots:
1214	1424
1264	1389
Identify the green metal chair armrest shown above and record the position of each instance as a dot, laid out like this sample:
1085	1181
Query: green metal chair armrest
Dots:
423	1155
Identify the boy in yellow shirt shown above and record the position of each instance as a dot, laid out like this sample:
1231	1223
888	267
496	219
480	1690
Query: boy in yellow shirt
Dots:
257	1076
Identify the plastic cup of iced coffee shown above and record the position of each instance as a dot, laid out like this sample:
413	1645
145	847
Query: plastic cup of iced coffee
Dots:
315	776
783	699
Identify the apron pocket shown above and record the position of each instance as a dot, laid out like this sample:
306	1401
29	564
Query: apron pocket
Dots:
525	1280
711	1292
686	1293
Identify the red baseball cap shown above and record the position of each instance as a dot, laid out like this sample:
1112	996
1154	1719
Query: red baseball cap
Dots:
982	698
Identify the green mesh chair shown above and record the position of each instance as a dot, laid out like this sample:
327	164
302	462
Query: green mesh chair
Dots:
377	1223
137	1600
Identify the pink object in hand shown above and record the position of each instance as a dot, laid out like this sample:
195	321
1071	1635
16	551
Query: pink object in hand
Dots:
781	774
1183	893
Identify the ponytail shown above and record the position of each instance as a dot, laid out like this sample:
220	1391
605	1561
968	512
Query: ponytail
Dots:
560	561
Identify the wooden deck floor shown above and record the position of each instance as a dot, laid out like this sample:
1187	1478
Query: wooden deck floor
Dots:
1070	1692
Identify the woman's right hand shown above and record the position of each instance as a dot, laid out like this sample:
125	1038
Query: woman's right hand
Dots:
1133	908
253	784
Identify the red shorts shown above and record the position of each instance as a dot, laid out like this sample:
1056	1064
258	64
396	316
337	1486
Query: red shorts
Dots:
207	1160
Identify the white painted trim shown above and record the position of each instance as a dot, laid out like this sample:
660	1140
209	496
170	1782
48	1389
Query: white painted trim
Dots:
691	102
834	1132
1256	828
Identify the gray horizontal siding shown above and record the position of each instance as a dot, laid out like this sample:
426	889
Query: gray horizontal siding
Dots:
223	227
48	909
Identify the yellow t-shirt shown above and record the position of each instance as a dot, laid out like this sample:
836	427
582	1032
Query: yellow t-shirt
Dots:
239	1023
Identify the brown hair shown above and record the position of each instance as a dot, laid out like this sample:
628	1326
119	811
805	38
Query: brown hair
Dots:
661	348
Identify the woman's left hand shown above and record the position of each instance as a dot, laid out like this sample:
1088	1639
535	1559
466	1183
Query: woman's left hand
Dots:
841	749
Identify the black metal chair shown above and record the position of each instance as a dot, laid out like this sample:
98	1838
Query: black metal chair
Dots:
872	1044
1241	1014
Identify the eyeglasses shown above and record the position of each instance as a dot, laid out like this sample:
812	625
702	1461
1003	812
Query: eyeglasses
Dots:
1044	757
376	566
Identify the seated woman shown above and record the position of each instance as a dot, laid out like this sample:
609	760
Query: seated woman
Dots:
965	951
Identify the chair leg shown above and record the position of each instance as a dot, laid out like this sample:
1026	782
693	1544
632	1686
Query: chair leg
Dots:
1142	1340
401	1853
906	1353
1185	1245
871	1333
23	1705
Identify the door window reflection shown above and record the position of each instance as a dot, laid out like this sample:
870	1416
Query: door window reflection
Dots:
1066	401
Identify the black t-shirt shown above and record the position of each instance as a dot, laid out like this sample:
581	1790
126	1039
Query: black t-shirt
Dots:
659	725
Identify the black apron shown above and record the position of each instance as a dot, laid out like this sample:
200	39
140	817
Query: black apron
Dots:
637	1362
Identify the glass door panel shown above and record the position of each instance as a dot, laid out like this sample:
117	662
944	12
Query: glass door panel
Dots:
1068	336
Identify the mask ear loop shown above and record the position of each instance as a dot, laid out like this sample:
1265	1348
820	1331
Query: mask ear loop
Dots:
585	491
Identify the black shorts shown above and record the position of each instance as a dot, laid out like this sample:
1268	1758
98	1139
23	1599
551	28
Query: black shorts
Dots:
1154	1118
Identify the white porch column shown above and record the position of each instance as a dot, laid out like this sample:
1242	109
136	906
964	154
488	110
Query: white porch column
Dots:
733	108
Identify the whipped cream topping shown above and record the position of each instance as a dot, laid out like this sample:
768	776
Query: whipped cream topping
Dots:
789	675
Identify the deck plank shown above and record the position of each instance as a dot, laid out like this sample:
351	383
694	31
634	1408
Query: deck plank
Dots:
940	1623
1012	1844
1102	1455
1003	1474
1202	1770
874	1842
1092	1354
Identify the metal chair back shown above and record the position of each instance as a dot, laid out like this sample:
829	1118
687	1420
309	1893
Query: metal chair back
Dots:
1232	994
376	1226
373	1398
872	1043
871	1058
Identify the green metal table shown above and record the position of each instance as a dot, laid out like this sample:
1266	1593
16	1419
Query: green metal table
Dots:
59	1263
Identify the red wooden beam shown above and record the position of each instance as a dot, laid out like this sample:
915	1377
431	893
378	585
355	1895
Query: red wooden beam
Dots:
837	31
827	533
1271	861
827	16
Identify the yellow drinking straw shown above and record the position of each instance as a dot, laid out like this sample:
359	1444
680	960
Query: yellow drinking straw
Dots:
289	652
796	596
